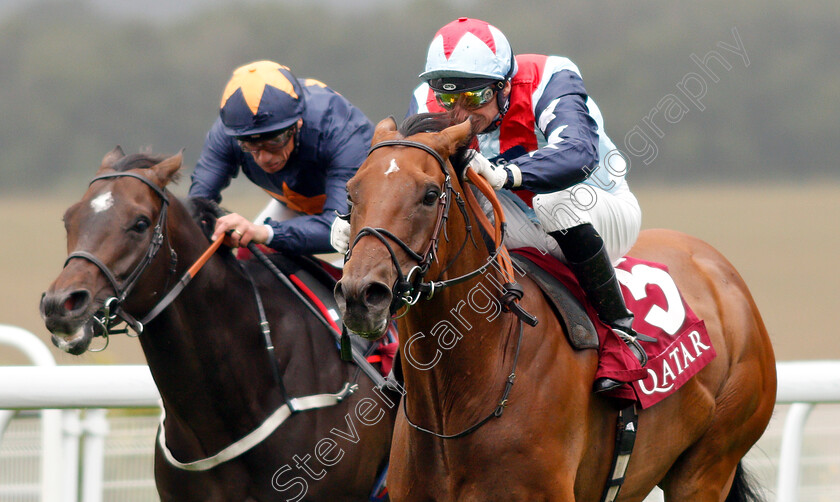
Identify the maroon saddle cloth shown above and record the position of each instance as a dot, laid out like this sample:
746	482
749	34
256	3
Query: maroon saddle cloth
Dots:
682	348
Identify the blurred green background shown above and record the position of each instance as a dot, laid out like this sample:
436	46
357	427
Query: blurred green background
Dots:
77	77
749	163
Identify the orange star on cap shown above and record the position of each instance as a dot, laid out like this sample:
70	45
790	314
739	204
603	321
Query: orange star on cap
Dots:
252	79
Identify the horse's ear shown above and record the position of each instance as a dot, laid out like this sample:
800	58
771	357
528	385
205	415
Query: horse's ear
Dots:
167	169
456	136
111	158
384	129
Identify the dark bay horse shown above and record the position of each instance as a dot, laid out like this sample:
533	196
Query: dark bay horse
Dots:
555	438
207	352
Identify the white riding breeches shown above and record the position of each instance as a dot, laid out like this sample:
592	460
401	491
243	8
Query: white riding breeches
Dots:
617	217
276	211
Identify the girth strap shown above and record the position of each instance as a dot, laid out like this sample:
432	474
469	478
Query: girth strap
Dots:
625	437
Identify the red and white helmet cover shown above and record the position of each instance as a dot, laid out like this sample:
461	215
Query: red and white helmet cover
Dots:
469	48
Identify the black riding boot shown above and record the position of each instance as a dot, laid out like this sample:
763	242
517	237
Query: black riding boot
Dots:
587	258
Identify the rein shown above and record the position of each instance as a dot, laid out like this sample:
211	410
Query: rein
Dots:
112	315
356	356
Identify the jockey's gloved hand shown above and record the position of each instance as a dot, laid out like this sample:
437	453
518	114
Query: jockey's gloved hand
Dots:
340	235
496	175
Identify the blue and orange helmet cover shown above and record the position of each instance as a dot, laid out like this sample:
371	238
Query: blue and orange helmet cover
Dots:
261	97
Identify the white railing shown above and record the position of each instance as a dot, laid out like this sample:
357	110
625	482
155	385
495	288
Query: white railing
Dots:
74	387
801	384
51	420
59	392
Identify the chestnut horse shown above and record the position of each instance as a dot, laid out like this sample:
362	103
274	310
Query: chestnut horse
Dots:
551	438
213	365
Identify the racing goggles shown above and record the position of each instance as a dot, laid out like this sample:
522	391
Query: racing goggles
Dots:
273	146
470	100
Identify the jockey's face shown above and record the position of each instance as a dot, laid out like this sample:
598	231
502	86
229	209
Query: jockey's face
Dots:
271	161
482	117
270	156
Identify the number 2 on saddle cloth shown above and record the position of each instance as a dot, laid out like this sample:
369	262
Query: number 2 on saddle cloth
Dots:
683	346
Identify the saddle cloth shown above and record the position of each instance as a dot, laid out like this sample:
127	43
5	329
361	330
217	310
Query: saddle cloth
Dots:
683	346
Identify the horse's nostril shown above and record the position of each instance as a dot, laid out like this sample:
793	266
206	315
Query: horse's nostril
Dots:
76	300
377	295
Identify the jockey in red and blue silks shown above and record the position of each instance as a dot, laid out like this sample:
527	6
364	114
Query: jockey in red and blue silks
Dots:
541	136
298	140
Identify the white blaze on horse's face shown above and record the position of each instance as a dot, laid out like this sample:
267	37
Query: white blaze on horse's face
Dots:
393	167
102	202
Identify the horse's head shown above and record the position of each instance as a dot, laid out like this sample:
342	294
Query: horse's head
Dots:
399	201
112	235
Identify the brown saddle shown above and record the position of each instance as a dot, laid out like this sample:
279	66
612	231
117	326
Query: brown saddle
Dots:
570	312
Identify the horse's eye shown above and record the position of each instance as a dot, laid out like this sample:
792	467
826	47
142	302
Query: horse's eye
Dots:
141	225
431	198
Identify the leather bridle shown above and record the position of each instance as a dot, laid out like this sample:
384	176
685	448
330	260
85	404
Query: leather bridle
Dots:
410	287
112	314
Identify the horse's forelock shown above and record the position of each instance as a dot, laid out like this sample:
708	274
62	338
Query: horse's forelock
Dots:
436	122
137	161
425	122
141	161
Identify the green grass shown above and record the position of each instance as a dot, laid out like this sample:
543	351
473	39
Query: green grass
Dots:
783	240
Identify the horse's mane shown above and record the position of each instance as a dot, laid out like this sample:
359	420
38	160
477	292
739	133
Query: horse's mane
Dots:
436	122
205	212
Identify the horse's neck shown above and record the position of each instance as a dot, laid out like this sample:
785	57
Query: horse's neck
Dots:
458	344
200	349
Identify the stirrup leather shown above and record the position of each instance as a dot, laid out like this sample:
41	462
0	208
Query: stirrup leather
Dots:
632	341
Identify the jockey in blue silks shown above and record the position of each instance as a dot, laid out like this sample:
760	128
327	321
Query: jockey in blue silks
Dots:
298	140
